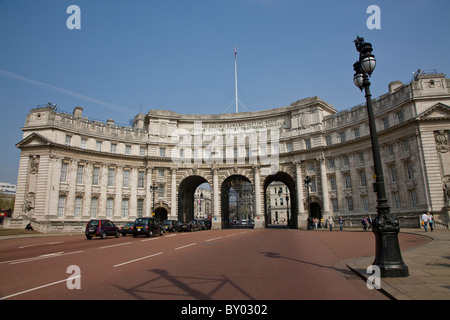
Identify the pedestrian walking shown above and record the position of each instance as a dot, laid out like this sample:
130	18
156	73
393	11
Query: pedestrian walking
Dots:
341	224
425	221
330	223
364	223
431	221
369	222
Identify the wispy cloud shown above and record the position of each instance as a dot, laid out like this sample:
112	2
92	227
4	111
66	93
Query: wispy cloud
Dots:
65	92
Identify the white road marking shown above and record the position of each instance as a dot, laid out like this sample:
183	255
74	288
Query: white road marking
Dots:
188	245
149	239
115	245
213	239
138	259
37	288
39	244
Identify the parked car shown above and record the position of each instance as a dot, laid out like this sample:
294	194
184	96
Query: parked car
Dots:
127	228
185	226
170	225
147	226
101	228
196	226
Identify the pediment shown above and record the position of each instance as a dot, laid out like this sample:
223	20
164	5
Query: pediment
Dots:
438	111
33	140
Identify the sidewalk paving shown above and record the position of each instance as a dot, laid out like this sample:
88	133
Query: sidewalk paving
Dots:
429	269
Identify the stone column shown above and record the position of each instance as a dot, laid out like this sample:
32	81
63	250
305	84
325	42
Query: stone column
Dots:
325	193
260	221
173	196
302	217
148	193
216	222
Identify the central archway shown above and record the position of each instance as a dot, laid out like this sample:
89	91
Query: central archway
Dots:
290	197
237	199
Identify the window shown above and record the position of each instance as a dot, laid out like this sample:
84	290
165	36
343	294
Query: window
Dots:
63	177
349	201
125	203
308	143
126	178
365	203
141	176
385	122
334	203
94	206
95	176
362	179
345	160
68	139
330	163
311	167
80	171
98	145
342	136
361	157
412	197
111	173
83	143
61	206
391	150
347	181
113	147
142	151
140	208
356	132
162	152
328	140
127	150
289	147
333	183
400	117
161	173
109	207
393	174
160	191
78	202
409	171
396	201
313	185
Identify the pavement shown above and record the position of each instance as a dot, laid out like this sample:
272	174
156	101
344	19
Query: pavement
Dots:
428	264
429	269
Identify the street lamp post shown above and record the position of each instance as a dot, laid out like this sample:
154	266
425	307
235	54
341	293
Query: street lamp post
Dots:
387	252
153	189
307	184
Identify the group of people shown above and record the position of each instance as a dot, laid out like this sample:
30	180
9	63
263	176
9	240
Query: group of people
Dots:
328	223
427	219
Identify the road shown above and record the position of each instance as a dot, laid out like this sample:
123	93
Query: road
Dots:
233	264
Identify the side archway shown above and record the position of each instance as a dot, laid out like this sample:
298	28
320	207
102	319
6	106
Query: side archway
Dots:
236	190
290	197
186	192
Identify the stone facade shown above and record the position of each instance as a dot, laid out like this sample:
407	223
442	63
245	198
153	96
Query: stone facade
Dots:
72	169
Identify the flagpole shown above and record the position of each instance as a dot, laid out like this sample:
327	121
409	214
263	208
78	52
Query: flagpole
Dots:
235	78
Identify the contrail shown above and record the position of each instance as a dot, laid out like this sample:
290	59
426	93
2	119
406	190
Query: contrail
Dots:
65	91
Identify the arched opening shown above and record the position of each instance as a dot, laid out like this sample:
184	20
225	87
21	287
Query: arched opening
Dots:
194	203
161	214
237	199
316	211
280	186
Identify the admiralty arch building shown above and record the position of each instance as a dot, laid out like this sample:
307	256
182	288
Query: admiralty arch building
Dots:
73	169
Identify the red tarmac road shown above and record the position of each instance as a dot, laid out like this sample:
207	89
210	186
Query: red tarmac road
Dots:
234	264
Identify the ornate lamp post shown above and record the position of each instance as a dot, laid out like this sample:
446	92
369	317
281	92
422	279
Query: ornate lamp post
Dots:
307	184
387	256
153	189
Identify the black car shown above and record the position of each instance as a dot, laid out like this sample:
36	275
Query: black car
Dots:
186	226
147	226
101	228
127	228
170	225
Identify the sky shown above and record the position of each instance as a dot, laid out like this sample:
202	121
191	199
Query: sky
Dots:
132	56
